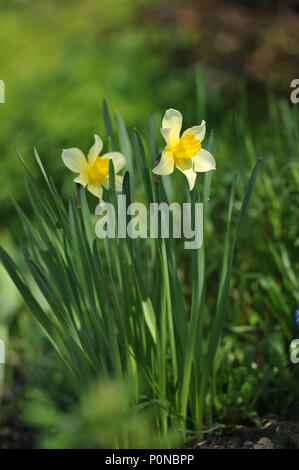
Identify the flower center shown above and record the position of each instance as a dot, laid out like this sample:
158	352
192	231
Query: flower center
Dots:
98	169
186	147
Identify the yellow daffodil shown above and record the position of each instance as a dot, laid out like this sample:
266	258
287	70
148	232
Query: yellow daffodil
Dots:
94	171
184	152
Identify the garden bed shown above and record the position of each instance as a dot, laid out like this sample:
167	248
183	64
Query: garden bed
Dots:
278	433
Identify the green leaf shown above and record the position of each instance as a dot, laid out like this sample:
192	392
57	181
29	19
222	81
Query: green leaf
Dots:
150	318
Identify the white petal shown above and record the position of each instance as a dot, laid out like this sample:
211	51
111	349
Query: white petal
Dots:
184	164
82	179
172	120
105	182
204	161
96	149
166	164
74	159
198	131
118	183
118	160
190	175
96	190
166	133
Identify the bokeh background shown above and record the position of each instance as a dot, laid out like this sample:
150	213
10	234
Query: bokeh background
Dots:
60	59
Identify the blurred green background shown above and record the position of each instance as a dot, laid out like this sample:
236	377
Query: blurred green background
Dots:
60	59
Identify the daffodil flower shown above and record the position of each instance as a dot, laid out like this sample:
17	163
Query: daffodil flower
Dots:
184	152
94	170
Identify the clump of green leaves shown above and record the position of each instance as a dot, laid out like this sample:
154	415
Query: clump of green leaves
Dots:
111	315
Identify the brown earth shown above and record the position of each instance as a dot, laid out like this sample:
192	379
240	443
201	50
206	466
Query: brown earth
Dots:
256	40
278	433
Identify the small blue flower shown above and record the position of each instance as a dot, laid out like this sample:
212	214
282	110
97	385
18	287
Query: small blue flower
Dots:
297	317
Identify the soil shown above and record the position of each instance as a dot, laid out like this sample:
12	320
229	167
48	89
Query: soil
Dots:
278	433
13	433
12	437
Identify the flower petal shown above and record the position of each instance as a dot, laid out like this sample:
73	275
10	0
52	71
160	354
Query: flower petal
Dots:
96	190
184	164
74	159
190	175
204	161
166	133
172	120
118	183
198	131
118	160
166	164
82	179
96	149
105	182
